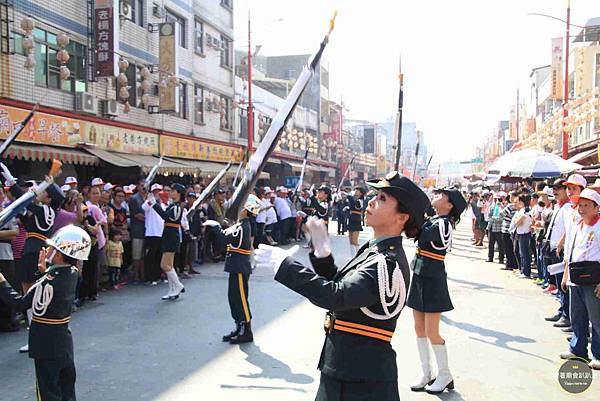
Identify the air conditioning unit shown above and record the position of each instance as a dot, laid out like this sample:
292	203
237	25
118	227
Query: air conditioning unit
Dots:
86	103
110	108
126	9
158	11
209	39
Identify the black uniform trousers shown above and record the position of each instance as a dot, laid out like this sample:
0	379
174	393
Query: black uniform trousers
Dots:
7	314
89	274
55	379
511	259
332	389
238	297
152	257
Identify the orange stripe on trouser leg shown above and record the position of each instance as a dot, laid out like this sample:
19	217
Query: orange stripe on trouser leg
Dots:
243	296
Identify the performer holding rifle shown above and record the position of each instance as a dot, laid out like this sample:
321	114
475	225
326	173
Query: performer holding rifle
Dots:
51	299
38	221
363	298
355	205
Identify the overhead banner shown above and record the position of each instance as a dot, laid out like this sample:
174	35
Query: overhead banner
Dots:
198	150
557	69
168	92
106	23
369	140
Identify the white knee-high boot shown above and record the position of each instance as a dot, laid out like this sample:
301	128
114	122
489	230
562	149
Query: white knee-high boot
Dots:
444	379
170	281
176	286
428	376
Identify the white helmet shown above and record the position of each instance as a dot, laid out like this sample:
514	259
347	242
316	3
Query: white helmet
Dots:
252	204
72	241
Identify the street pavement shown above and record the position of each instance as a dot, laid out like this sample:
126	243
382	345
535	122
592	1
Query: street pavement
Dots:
130	345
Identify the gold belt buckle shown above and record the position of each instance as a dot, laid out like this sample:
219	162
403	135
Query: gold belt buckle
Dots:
329	322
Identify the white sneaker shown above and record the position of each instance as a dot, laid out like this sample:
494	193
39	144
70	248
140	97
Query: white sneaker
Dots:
595	364
24	348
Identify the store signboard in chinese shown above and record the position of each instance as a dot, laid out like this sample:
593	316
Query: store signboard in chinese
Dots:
45	128
557	62
106	22
168	93
121	139
190	149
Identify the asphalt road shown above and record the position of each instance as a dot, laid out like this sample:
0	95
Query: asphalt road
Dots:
130	345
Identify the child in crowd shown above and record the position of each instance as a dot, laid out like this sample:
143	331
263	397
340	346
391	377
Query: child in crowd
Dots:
114	257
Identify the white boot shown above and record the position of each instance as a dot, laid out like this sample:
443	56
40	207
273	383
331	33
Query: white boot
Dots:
170	293
25	348
177	288
444	378
425	357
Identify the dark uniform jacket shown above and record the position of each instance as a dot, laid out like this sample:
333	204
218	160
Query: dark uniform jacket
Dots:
352	293
355	210
38	222
321	208
49	334
172	216
237	238
433	244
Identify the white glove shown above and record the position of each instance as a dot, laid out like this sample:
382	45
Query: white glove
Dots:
301	214
151	199
271	257
10	180
211	223
346	208
319	237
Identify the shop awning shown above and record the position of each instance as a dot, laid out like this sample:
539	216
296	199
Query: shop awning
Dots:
296	167
144	162
114	158
583	155
329	170
46	153
206	168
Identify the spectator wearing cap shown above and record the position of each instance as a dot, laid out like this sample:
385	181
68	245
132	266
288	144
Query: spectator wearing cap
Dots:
264	194
71	182
7	268
584	289
97	182
118	220
284	216
154	225
271	219
595	186
138	229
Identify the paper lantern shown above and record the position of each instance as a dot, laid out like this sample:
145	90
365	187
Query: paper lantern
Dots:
65	73
63	56
27	43
29	62
123	64
127	108
122	79
124	92
146	85
145	73
145	99
63	40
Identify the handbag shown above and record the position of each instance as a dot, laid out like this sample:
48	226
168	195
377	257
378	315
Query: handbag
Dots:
584	272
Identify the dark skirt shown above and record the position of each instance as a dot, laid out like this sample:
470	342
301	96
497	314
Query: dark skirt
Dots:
429	294
355	223
170	240
26	273
332	389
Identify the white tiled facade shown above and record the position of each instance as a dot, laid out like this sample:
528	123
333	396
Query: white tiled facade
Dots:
140	46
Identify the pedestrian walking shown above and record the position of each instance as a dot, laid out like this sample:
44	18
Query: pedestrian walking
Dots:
364	298
429	296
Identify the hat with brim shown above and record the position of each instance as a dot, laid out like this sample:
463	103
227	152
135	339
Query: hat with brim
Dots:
406	192
595	185
591	195
576	180
454	197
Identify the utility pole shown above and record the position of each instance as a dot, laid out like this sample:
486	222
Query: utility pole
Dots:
250	112
565	134
518	117
399	117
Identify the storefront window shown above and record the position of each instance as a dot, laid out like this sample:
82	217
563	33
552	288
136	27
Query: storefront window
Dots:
198	37
172	17
226	55
199	104
182	101
225	113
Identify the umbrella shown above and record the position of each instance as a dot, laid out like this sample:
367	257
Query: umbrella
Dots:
503	163
544	166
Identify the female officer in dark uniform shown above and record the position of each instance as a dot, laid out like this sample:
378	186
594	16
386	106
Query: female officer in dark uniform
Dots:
321	203
364	298
355	214
428	296
171	237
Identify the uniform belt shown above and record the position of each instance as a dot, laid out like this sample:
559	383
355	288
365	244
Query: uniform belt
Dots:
37	235
45	320
308	209
355	212
331	324
238	250
430	255
173	225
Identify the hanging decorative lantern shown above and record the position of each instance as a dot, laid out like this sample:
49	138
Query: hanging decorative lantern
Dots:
127	107
145	99
63	40
145	73
145	86
27	43
65	73
122	79
29	62
173	81
27	24
63	56
124	92
123	65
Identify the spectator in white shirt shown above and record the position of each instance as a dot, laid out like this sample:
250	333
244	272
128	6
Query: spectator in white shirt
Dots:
522	222
584	299
284	214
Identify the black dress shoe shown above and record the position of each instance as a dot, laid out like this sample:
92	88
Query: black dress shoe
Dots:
244	335
567	329
233	333
562	322
554	318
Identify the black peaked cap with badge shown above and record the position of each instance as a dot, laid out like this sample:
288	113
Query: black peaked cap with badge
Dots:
455	197
406	192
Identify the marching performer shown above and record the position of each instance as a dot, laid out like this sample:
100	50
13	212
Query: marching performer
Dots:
355	204
238	265
171	237
51	299
321	203
428	296
38	222
364	298
307	208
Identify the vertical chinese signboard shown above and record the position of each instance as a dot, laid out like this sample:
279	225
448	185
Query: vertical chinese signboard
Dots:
168	91
557	60
106	28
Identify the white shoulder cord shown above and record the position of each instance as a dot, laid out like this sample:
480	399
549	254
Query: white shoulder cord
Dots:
176	212
48	218
236	231
445	237
41	298
396	289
